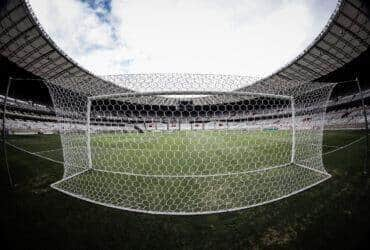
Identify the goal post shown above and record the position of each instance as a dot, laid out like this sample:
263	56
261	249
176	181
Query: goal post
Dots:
114	118
143	151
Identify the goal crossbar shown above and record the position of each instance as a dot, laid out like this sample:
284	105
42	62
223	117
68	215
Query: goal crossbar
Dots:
155	93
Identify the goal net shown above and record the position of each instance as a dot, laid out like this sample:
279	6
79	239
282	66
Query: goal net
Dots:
202	149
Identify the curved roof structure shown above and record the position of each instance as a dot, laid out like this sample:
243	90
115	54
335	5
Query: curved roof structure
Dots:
344	38
25	43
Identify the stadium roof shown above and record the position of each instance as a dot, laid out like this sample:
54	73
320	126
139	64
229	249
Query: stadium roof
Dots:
25	43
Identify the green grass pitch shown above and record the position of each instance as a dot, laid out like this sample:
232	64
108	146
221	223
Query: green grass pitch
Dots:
189	171
181	153
331	215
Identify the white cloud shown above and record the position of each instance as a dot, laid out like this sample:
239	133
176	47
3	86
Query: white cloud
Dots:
242	37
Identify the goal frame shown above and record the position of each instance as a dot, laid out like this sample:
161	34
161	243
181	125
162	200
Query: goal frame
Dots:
159	93
81	105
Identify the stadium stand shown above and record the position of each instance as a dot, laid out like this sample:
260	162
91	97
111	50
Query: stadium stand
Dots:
26	117
339	53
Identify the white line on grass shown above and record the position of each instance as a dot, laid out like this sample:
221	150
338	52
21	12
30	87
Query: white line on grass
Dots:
46	151
345	146
35	154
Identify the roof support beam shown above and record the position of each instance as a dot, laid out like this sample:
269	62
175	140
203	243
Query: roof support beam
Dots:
35	49
365	44
338	50
357	8
324	51
2	48
11	11
24	45
345	42
37	59
6	30
55	68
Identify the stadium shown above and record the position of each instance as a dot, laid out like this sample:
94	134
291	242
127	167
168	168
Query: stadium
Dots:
181	160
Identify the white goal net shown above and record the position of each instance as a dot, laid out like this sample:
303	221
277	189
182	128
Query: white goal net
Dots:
188	144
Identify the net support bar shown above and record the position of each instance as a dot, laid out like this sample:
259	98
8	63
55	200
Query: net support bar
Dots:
293	130
88	136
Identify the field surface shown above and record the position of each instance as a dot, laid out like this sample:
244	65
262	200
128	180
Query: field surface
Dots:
334	214
195	153
190	171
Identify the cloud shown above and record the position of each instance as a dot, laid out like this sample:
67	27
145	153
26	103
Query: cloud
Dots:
242	37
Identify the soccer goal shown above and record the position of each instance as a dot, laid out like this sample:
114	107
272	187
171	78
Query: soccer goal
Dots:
192	151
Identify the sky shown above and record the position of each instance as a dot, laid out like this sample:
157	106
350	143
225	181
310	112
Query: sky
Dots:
241	37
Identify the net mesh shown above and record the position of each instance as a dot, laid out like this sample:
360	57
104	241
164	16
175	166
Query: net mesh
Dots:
189	144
